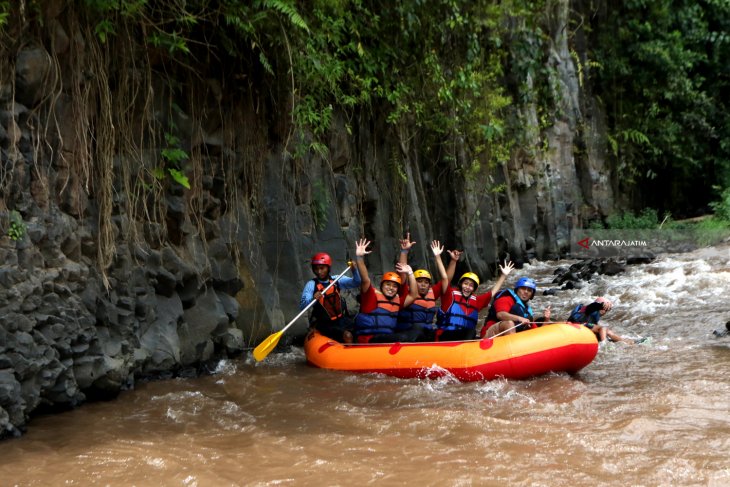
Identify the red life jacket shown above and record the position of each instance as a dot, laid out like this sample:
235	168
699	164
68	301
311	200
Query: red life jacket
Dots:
330	305
462	313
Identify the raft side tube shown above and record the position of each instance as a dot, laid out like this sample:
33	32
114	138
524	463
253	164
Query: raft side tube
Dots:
559	347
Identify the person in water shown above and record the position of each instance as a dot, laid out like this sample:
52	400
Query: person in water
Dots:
417	319
511	311
329	314
459	312
591	314
378	317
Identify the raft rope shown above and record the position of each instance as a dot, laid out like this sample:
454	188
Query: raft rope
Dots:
517	326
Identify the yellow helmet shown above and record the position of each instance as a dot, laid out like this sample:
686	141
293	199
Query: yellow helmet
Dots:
422	273
470	275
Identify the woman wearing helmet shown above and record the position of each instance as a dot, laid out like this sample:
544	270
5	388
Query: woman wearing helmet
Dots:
459	312
329	314
511	311
590	315
378	317
416	320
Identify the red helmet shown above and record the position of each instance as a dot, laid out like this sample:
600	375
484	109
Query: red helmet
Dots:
392	276
322	259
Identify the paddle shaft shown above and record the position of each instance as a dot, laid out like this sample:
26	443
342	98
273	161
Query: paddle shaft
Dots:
311	303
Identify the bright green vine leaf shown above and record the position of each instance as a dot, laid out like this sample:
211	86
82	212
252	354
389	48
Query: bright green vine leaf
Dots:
179	177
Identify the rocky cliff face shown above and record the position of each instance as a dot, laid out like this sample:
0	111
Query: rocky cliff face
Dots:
92	296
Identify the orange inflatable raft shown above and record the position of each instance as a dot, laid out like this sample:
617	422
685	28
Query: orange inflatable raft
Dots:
558	347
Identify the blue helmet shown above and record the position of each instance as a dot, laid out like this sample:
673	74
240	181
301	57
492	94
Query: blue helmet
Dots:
526	282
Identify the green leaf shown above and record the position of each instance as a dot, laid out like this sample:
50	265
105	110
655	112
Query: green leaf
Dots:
158	173
103	29
287	9
179	177
174	155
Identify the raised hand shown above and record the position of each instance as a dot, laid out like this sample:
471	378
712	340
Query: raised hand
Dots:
437	248
403	268
361	247
405	243
507	268
455	254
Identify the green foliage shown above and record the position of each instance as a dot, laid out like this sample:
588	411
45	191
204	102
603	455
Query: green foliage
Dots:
179	177
258	26
715	224
320	205
104	29
173	156
286	8
397	169
662	74
442	83
433	69
110	10
171	42
308	113
647	219
722	207
711	231
17	228
536	79
595	225
4	13
633	136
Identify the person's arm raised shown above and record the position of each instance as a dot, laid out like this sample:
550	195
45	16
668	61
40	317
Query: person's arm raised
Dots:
405	247
413	287
360	252
451	270
437	250
505	269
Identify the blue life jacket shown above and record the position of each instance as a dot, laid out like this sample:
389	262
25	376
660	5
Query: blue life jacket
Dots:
383	319
420	312
456	317
519	308
578	315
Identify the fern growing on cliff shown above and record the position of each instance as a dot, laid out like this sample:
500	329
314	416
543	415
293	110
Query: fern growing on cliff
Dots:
287	9
4	13
17	228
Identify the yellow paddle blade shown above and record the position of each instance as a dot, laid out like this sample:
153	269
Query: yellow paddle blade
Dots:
264	348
